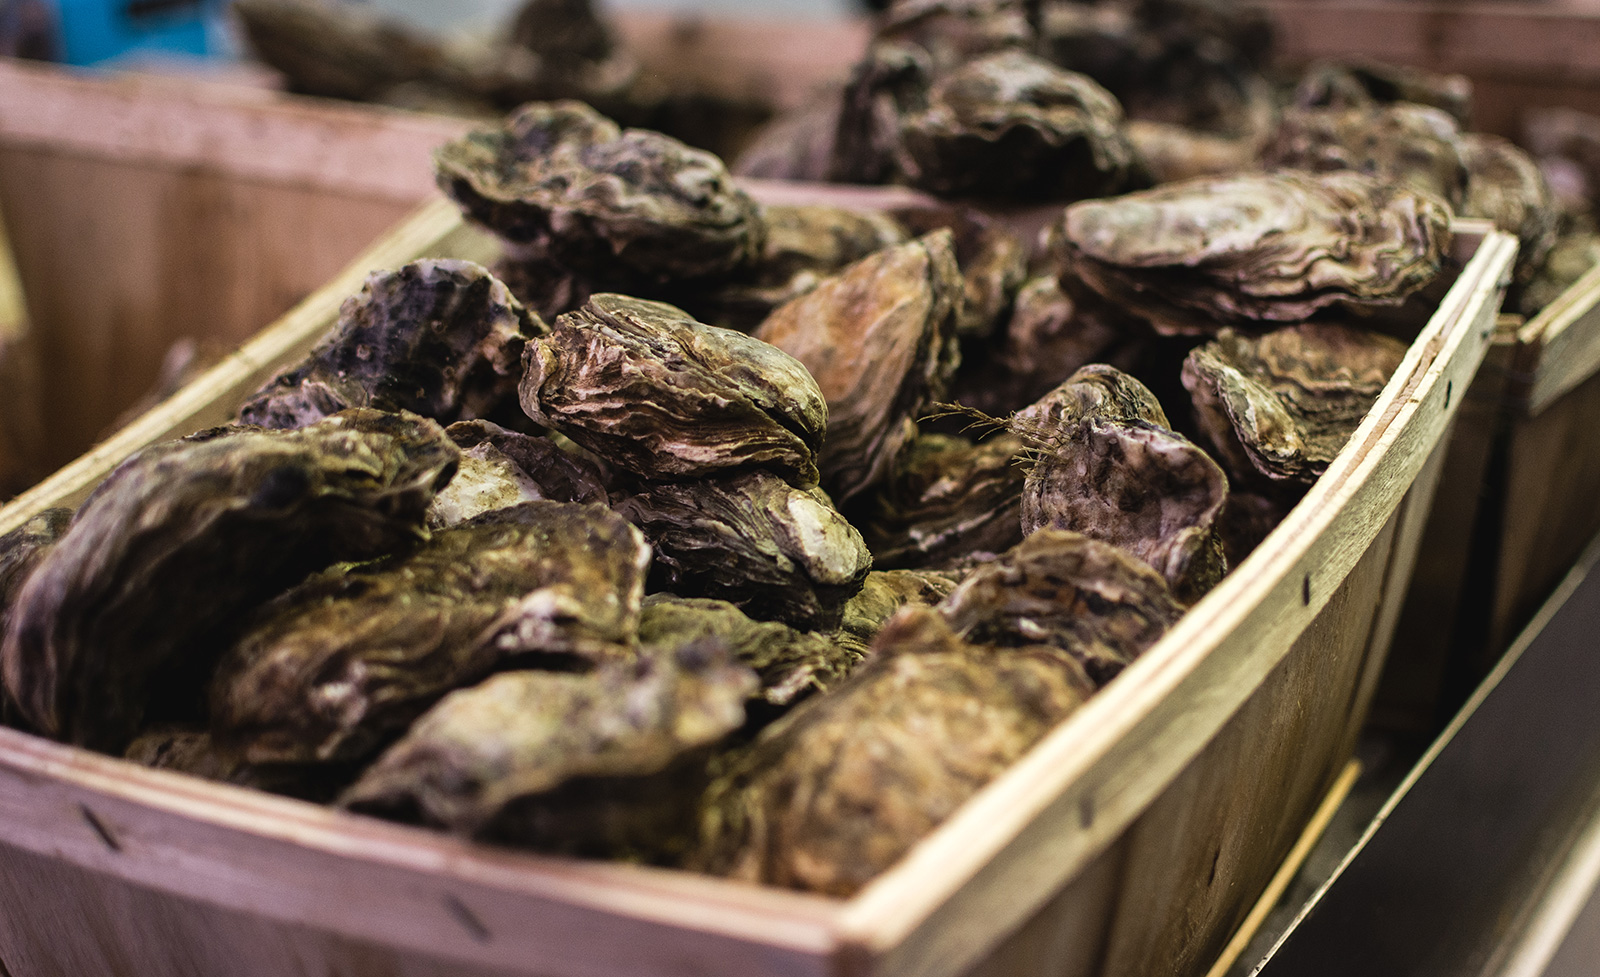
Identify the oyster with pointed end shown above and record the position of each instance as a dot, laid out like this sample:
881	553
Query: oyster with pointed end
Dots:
753	539
564	179
1283	404
1089	599
790	663
440	338
340	665
1254	250
1013	125
647	388
1138	486
607	763
879	337
842	787
168	555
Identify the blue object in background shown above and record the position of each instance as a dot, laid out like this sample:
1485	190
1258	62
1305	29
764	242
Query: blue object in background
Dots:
97	31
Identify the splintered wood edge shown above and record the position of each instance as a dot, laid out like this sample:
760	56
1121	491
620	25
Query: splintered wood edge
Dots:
361	150
1040	822
1560	347
213	396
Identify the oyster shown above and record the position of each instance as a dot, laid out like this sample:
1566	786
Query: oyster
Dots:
624	204
646	387
891	81
341	664
501	468
1084	597
1505	185
1138	486
199	753
993	263
790	663
842	787
1284	403
20	551
1569	260
879	337
945	498
606	763
1364	84
1253	250
1412	145
797	145
1096	390
441	338
1170	153
954	32
882	594
776	551
183	539
1013	125
804	245
1051	335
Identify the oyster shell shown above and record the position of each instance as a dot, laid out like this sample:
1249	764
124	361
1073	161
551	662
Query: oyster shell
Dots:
1013	125
1253	250
804	245
797	145
838	790
879	337
622	204
993	263
1051	335
1138	486
1363	84
1096	390
646	387
443	339
501	468
946	498
882	594
1084	597
1412	145
162	561
1505	185
790	663
753	539
199	753
1569	260
889	82
1170	153
341	664
20	551
1284	403
606	763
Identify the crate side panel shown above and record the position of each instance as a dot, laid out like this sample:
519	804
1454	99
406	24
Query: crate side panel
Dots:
1202	854
119	260
64	921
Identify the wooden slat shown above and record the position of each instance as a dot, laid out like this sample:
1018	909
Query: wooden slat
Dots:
1051	813
1561	345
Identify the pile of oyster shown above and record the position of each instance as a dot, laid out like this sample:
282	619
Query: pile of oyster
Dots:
746	539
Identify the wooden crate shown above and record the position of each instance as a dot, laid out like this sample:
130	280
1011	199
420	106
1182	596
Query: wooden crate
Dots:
144	210
1132	840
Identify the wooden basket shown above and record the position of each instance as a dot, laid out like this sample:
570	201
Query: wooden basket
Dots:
144	210
1131	840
